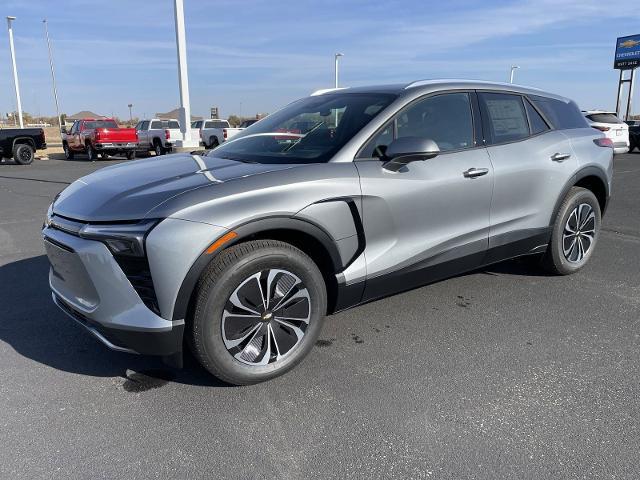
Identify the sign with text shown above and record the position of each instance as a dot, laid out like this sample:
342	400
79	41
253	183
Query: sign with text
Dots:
627	52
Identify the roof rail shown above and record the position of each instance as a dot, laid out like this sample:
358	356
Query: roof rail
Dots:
326	90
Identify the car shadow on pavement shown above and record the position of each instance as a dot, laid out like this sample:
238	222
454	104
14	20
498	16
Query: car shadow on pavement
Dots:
36	329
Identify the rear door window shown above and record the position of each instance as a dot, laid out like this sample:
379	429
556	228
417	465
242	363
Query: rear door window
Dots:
505	116
173	124
156	124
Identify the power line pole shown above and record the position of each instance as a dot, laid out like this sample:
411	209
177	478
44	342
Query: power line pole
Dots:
53	76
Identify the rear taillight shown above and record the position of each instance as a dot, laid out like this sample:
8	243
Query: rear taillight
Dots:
224	133
603	142
167	134
42	134
602	129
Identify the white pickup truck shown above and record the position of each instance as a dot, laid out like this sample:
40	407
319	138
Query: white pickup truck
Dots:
233	131
211	132
157	135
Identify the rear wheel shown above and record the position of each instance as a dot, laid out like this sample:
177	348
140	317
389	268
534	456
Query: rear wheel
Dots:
213	142
259	310
131	154
575	232
104	155
23	154
68	153
91	153
157	148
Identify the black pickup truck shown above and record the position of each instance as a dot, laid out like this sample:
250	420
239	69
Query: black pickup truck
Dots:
21	143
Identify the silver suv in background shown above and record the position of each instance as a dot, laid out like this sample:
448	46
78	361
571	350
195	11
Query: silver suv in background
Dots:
337	199
157	135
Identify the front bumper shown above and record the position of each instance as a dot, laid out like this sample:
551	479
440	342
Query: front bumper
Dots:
90	287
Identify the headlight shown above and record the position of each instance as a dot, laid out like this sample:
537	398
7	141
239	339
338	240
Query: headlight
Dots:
122	239
47	217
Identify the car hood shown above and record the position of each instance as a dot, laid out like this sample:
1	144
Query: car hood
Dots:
129	191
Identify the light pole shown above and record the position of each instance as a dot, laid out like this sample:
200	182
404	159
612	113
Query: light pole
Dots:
53	75
183	78
15	70
513	69
335	59
130	115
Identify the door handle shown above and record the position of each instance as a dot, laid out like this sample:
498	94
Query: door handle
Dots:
560	157
475	172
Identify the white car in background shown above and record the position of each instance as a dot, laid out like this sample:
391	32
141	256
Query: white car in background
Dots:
211	133
613	128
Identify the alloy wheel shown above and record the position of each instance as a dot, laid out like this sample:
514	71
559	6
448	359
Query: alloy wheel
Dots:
579	233
266	317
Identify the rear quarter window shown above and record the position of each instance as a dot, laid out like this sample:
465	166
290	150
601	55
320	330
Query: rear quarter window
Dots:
561	115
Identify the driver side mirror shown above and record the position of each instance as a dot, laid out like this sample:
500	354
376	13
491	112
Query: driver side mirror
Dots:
405	150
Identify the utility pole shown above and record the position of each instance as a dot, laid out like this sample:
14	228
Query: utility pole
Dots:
15	70
130	115
53	76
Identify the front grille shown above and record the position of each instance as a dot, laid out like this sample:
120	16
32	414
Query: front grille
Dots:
139	274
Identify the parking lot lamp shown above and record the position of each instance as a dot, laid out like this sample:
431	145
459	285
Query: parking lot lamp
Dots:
513	69
53	76
130	114
15	70
335	58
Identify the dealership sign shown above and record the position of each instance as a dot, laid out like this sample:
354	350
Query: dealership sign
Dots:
627	52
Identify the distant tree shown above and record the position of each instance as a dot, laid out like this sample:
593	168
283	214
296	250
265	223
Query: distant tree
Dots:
234	120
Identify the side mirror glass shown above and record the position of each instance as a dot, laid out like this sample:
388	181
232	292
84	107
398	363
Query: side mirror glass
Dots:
405	150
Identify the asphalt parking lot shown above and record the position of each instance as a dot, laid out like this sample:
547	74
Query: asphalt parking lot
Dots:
502	373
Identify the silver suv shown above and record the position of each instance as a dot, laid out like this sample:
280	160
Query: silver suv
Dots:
337	199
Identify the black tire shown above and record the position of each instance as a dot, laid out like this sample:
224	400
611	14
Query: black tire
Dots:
228	272
213	142
23	154
68	153
104	155
131	154
555	260
632	145
158	148
91	153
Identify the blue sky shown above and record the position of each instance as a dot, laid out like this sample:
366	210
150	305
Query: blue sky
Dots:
257	55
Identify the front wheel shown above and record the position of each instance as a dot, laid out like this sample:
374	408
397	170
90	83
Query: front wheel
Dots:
131	154
68	153
575	233
259	310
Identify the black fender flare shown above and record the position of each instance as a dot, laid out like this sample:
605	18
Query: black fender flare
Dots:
590	171
23	140
244	231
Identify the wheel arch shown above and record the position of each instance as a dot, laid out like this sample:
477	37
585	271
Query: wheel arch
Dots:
592	178
23	141
310	238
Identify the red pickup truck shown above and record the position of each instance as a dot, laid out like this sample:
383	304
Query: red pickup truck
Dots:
103	137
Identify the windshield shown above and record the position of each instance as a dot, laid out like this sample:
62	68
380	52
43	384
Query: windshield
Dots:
310	130
101	124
